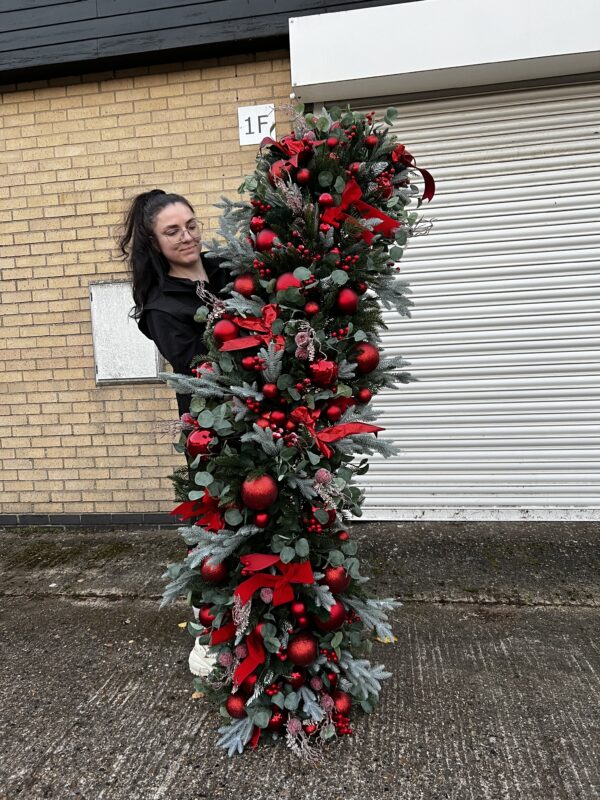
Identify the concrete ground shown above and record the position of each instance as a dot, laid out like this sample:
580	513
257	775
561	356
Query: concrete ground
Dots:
494	692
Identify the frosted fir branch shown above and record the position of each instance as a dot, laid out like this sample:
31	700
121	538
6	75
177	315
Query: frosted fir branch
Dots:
311	707
366	444
235	737
240	409
364	677
321	593
192	534
372	613
378	167
219	546
184	579
247	390
264	438
274	362
185	384
361	413
392	379
244	306
304	485
346	369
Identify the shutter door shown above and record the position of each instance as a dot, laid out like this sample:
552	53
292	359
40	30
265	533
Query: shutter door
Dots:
504	338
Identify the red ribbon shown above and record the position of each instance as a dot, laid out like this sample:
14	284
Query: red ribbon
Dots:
296	572
334	433
223	634
255	737
351	197
205	511
402	156
291	148
256	656
262	331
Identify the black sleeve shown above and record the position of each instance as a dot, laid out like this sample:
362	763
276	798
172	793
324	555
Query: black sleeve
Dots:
176	340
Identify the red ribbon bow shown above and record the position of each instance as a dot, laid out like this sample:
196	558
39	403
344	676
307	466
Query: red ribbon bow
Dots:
351	197
254	644
401	156
296	572
205	511
262	331
292	148
334	433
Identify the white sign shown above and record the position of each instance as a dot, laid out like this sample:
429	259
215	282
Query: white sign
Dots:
256	122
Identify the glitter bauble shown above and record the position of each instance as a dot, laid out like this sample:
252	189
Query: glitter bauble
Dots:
347	301
259	493
337	617
244	284
366	357
287	281
265	239
342	702
225	330
213	573
302	649
337	579
236	706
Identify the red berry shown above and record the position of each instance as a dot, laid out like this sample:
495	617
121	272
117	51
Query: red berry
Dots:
364	395
311	308
332	141
270	391
371	140
303	176
261	520
333	413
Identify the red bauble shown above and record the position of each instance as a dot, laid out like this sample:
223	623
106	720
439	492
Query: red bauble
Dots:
326	200
366	356
347	301
302	622
287	281
297	679
361	287
278	417
199	442
213	574
302	649
257	224
259	493
324	372
277	721
248	362
236	706
248	684
245	284
342	702
205	617
337	617
303	176
371	140
343	536
298	608
332	141
270	390
262	423
364	395
333	413
311	308
261	520
337	579
265	239
354	167
225	330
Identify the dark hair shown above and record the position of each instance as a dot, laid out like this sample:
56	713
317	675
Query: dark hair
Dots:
147	265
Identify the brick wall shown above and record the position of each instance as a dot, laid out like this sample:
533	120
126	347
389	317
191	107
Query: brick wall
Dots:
72	151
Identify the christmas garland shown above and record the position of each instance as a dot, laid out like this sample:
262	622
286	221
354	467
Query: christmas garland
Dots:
280	408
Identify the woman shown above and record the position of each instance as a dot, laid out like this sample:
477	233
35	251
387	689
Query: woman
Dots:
162	244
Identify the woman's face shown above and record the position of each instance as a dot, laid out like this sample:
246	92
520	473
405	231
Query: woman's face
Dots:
178	234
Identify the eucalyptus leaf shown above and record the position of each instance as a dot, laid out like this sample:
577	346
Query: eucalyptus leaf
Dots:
260	717
302	548
339	277
322	516
194	495
203	479
337	639
325	179
302	273
291	701
336	558
339	184
233	516
287	554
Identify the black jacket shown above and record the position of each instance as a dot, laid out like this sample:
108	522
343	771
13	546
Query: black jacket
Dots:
168	319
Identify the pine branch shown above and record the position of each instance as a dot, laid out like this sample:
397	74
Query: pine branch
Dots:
264	437
311	707
236	736
365	679
274	362
372	613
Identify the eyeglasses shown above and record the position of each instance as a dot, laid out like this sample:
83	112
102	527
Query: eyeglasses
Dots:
194	228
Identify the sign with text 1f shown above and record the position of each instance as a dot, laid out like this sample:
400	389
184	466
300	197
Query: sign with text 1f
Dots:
256	122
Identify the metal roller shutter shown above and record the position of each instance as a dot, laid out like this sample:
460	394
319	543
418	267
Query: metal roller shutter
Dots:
504	338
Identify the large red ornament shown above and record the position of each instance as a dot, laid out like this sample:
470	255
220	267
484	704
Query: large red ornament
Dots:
270	390
347	301
337	579
225	330
259	493
366	356
245	284
342	702
236	706
324	372
287	281
326	200
302	649
213	574
337	617
199	442
364	395
265	239
277	721
205	617
303	176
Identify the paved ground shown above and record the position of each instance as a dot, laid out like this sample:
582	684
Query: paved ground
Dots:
494	695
